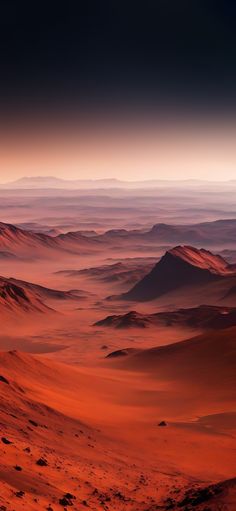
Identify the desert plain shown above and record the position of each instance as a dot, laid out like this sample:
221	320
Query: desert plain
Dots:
118	347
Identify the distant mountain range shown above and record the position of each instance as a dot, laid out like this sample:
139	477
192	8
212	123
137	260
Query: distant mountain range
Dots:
204	233
55	182
203	317
28	244
18	242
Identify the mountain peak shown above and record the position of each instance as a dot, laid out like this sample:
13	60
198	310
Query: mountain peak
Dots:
180	266
200	258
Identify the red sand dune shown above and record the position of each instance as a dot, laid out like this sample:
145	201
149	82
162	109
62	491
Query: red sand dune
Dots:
196	361
104	454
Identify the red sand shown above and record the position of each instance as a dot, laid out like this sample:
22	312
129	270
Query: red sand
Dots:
95	419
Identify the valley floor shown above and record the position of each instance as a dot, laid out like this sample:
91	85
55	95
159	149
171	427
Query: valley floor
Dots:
150	428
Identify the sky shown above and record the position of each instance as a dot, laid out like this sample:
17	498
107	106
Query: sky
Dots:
164	149
110	89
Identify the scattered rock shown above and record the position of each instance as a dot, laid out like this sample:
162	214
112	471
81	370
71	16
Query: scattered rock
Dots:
119	495
18	468
69	496
142	480
27	449
6	441
199	496
65	502
120	353
20	494
170	504
163	423
4	380
42	462
33	423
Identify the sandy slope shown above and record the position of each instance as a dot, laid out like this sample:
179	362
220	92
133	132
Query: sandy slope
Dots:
46	407
95	421
98	430
16	300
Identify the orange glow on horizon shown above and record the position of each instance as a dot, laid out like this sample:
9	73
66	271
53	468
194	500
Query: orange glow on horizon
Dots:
164	151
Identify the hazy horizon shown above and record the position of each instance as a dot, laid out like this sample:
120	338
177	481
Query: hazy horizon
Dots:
43	177
116	179
166	149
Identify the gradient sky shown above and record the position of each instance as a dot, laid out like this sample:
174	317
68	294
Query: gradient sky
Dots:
107	89
170	149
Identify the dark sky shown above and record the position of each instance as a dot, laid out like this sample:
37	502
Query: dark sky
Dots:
115	52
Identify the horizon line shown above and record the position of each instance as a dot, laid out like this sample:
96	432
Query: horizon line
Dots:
115	179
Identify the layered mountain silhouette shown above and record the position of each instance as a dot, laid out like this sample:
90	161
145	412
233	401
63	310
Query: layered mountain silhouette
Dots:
13	238
123	274
180	266
45	182
209	234
27	244
219	231
202	317
132	319
16	241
